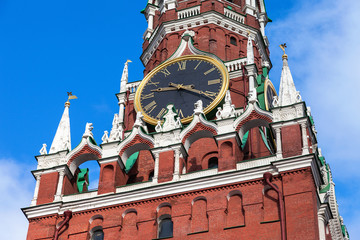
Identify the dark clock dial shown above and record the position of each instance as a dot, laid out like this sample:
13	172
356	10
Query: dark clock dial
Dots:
182	82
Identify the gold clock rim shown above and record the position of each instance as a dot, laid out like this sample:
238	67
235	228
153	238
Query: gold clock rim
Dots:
208	109
268	84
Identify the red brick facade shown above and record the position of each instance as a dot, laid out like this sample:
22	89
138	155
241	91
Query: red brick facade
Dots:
235	211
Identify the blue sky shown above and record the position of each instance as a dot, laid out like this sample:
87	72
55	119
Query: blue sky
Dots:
50	47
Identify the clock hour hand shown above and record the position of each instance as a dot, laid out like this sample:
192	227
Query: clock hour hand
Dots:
164	89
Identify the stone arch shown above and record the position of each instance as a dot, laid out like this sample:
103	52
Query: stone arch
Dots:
107	174
226	149
271	211
198	132
199	216
248	124
235	213
206	159
85	155
198	153
129	227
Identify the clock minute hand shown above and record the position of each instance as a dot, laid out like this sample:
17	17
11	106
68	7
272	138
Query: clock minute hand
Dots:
191	89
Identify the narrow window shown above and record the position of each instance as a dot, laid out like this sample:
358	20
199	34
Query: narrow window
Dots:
165	227
97	234
213	163
233	41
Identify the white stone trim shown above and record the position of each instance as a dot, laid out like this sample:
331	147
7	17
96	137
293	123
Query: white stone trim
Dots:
199	180
201	20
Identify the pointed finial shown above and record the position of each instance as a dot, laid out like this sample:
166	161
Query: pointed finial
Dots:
70	96
283	47
128	61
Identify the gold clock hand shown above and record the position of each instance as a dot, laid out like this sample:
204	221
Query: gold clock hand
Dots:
164	89
192	89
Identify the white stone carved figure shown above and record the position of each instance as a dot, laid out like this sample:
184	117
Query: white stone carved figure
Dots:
116	130
169	119
228	109
105	137
252	96
198	107
43	150
178	123
324	173
139	122
88	130
275	101
158	127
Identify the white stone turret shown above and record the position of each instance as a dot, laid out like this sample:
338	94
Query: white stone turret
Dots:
250	51
287	93
62	139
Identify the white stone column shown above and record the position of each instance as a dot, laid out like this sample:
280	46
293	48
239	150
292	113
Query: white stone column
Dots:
278	144
176	175
322	226
156	168
59	186
36	192
262	26
151	21
305	149
121	110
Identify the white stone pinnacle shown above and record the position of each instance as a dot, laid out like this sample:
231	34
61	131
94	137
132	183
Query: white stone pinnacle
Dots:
287	93
62	139
124	77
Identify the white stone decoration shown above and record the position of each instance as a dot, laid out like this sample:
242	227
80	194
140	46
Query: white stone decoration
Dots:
88	130
252	96
158	127
198	107
287	93
250	50
170	119
62	139
139	122
228	109
116	130
43	150
105	137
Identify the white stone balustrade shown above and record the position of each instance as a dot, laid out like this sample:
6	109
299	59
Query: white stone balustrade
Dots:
234	15
235	65
189	12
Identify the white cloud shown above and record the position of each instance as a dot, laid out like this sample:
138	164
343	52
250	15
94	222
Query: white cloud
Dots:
323	53
16	192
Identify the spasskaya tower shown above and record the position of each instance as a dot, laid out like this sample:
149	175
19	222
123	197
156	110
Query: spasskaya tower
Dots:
202	147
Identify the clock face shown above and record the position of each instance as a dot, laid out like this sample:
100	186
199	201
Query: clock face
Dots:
270	93
182	82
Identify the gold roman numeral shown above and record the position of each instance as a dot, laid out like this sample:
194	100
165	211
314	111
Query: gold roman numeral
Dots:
180	113
153	83
197	66
209	71
166	72
147	96
212	82
212	94
182	65
160	113
150	105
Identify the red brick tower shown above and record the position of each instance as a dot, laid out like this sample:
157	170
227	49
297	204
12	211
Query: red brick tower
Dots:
202	147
